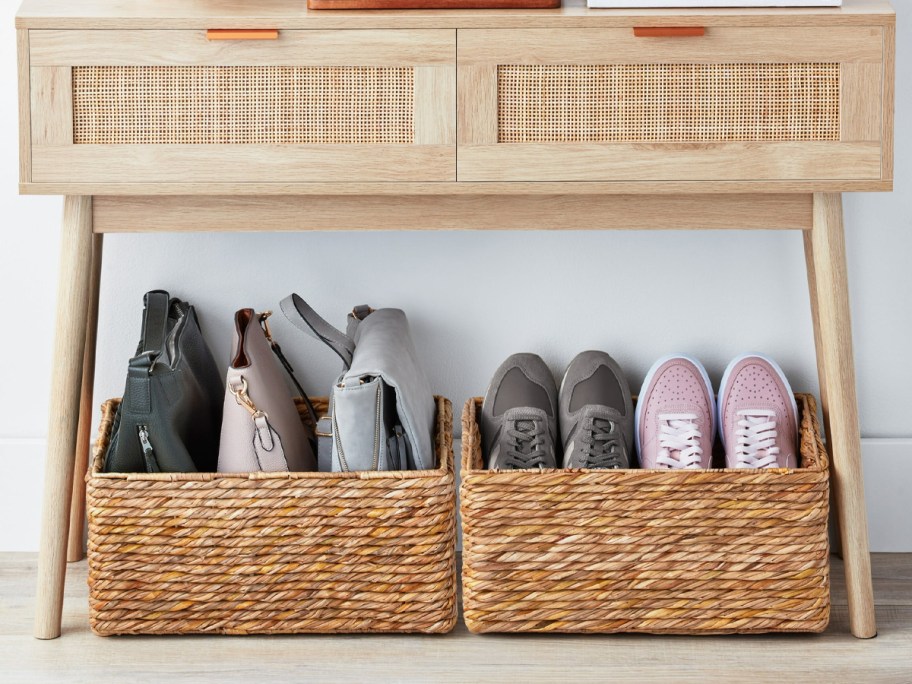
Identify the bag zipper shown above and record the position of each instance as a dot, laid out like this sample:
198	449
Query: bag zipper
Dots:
402	447
376	461
144	440
145	443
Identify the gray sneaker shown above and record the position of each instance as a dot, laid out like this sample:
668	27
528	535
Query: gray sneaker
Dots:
519	416
596	413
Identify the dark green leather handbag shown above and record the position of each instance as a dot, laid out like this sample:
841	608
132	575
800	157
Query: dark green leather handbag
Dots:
170	416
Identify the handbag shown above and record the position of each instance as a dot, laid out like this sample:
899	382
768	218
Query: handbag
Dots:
261	426
381	407
168	420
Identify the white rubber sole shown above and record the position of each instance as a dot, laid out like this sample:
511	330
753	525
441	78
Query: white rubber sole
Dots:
726	378
649	378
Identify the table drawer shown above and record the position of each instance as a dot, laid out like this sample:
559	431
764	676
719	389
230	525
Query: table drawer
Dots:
724	103
149	106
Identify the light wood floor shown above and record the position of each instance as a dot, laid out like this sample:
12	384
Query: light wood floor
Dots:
79	656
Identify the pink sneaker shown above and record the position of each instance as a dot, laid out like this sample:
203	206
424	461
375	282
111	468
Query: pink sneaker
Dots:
675	415
758	418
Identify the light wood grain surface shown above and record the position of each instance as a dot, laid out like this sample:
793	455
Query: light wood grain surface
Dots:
435	104
244	163
422	212
25	106
836	363
52	106
833	657
453	188
664	161
476	102
111	14
889	100
292	48
76	540
620	46
861	102
65	396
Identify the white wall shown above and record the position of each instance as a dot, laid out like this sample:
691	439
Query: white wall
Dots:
472	298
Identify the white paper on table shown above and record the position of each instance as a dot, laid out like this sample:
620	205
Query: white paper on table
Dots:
641	4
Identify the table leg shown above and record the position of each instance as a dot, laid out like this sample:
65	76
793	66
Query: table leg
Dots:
76	543
66	385
815	318
827	276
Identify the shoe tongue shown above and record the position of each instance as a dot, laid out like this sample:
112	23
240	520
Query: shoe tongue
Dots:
759	415
601	413
525	415
674	417
527	426
603	420
757	412
527	420
673	409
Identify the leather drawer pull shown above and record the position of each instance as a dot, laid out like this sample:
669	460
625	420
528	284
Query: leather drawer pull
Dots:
242	34
668	31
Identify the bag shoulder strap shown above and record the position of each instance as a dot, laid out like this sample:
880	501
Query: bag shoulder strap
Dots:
303	317
277	350
155	321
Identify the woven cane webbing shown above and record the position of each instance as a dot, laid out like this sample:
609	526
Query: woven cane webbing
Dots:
668	102
155	105
263	553
658	551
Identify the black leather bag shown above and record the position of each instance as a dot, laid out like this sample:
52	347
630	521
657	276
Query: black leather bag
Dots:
170	416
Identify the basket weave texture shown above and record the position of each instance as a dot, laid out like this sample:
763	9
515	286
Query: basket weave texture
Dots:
561	103
235	105
657	551
273	552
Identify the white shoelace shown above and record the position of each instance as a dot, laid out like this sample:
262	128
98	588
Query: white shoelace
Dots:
756	433
679	434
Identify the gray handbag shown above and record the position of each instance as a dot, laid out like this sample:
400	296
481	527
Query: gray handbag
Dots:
381	407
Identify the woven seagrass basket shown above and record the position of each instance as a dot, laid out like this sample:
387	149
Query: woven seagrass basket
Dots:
268	553
657	551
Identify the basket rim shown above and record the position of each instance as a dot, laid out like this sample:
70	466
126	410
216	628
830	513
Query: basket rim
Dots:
443	446
807	412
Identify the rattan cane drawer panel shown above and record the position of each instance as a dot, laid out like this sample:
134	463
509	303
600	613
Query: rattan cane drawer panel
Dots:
738	104
548	103
149	105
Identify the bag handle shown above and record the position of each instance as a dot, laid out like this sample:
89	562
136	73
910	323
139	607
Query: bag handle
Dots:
277	350
303	317
155	321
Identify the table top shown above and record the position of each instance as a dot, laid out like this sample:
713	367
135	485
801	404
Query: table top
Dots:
289	14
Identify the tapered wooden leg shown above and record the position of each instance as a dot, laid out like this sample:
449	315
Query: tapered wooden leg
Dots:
812	288
76	543
825	248
66	386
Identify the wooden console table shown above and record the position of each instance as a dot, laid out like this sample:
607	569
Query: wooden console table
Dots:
190	115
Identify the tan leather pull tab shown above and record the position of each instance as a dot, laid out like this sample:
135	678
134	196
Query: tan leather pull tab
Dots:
668	31
242	34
